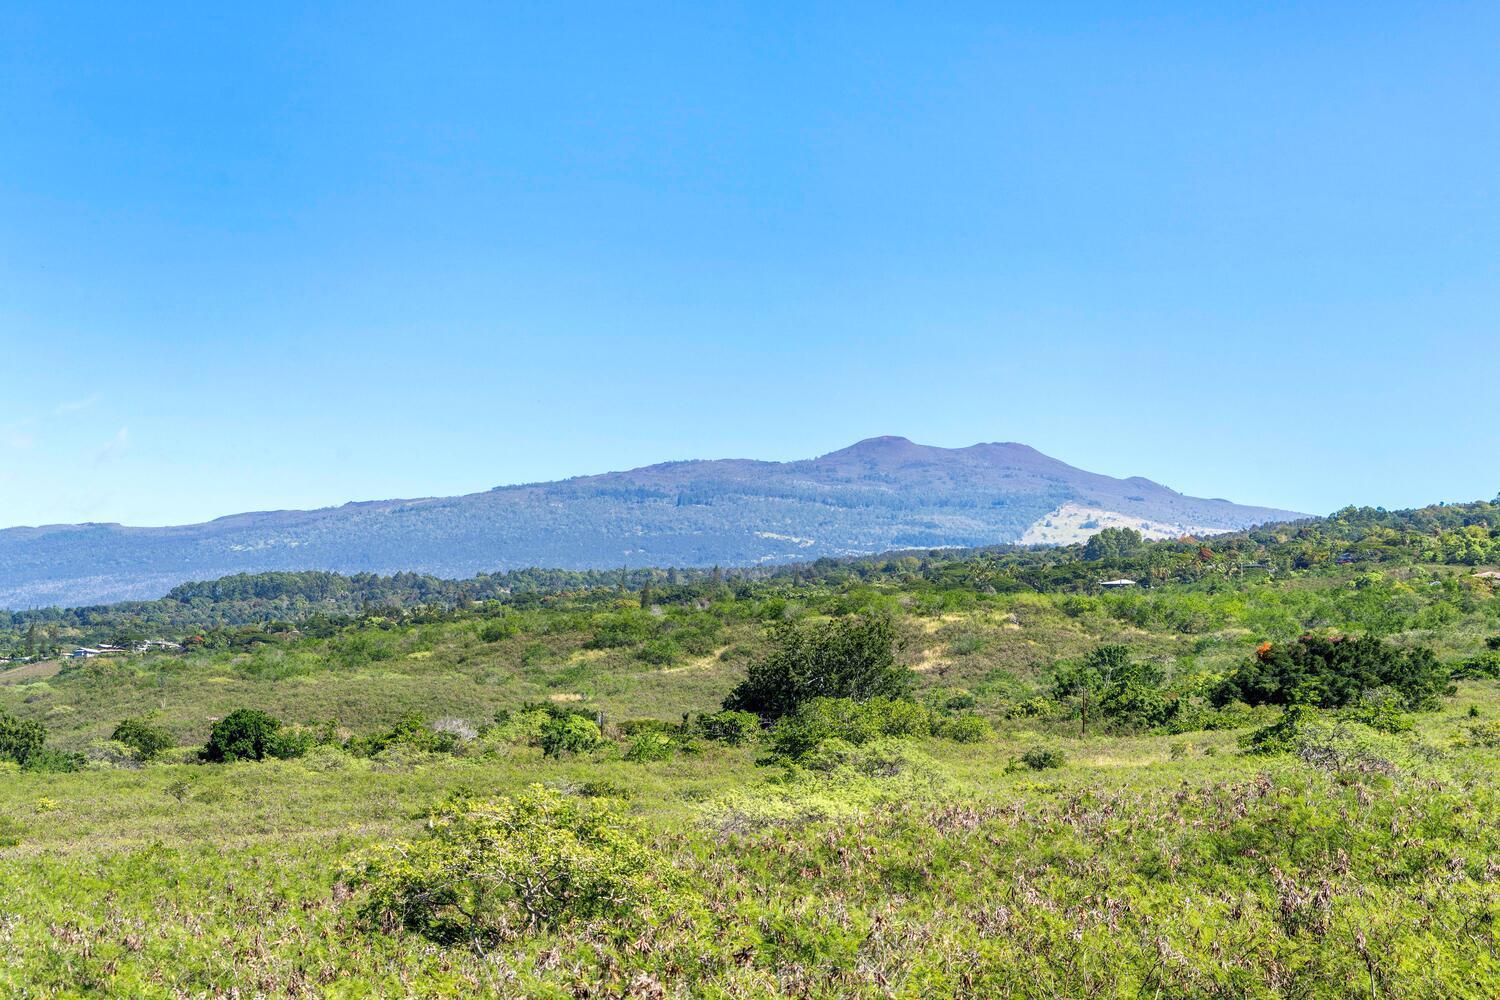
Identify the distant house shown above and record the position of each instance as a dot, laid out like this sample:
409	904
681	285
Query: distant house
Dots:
84	653
1117	583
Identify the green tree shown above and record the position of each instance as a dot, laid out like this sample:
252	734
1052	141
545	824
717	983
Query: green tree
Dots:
852	657
568	734
144	737
244	734
20	739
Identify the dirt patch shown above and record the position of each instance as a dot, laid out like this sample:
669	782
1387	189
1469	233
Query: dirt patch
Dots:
30	672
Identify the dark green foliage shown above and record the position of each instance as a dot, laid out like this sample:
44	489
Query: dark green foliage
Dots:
54	761
1333	673
20	739
733	728
568	734
412	733
1112	543
659	652
497	629
1043	758
144	737
625	628
1486	664
850	658
1279	736
1108	683
244	734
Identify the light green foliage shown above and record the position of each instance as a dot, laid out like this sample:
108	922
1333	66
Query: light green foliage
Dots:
852	722
651	746
1358	862
965	728
490	869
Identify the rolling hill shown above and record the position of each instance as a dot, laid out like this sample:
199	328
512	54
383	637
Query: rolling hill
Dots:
878	494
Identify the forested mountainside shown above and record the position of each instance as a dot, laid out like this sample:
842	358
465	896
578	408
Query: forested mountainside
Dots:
877	495
1454	535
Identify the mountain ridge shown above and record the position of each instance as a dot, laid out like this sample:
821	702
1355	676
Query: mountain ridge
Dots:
877	494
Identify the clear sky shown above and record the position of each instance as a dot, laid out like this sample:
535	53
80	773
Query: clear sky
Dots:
289	255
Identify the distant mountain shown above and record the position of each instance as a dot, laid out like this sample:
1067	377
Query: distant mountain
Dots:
881	493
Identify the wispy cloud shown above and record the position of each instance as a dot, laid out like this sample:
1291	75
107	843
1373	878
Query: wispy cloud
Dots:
74	405
113	446
16	436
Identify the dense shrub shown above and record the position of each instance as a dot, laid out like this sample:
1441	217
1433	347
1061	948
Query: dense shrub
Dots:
1333	673
851	658
1108	683
54	761
498	629
733	728
853	722
244	734
411	733
144	737
659	652
490	869
1043	758
1485	665
650	746
20	739
1338	746
624	628
568	734
966	728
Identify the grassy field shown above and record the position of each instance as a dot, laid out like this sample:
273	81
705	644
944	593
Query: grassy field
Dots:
1156	864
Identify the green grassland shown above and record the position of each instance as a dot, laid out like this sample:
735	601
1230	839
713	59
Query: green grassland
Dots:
1162	861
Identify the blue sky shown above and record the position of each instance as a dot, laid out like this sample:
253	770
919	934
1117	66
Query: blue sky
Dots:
292	255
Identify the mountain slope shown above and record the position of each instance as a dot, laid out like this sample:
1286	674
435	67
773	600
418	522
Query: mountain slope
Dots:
881	493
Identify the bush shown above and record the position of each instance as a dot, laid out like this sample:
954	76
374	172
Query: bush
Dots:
54	761
244	734
651	746
568	734
20	740
1485	665
1333	673
497	629
143	737
853	722
1043	758
1337	746
625	628
490	869
659	652
733	728
412	733
967	728
852	658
